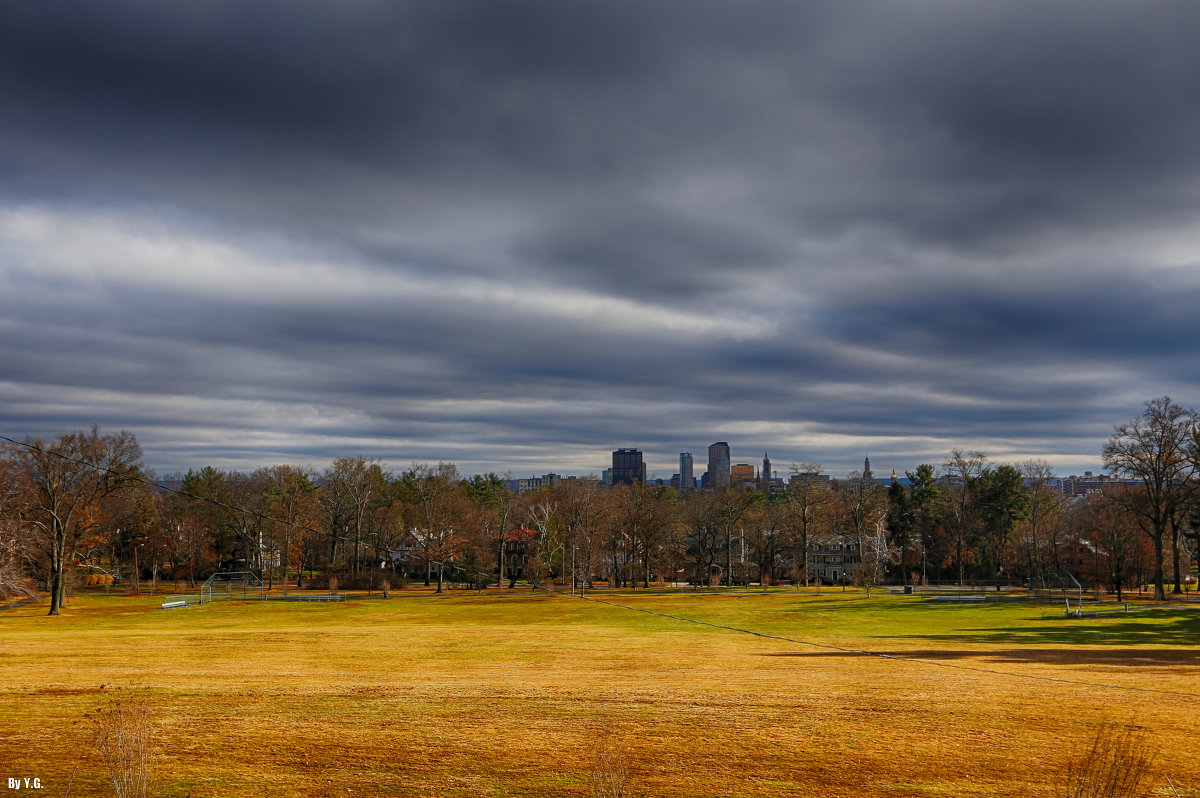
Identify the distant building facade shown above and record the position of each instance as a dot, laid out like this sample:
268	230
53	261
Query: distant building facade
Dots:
810	478
628	467
833	561
686	481
718	465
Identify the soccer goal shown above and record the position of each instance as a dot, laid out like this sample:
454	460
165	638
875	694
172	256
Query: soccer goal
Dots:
231	586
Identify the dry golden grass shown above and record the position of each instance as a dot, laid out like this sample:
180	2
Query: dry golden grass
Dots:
511	694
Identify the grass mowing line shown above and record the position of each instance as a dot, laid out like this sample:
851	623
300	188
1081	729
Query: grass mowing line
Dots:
865	653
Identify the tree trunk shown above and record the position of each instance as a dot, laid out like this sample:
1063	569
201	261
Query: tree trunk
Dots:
958	555
1160	593
1175	558
58	554
500	581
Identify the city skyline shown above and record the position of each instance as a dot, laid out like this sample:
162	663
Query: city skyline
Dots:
519	237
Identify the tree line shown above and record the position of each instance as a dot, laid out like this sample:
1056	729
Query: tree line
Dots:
84	503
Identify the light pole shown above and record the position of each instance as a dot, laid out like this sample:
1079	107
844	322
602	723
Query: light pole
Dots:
923	582
563	548
137	591
500	581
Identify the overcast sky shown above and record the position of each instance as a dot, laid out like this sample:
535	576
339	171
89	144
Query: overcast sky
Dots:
518	235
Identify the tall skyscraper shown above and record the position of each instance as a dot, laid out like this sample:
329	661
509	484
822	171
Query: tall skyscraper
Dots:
718	465
686	481
627	467
766	474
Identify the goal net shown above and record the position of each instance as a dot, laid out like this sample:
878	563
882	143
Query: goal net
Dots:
231	586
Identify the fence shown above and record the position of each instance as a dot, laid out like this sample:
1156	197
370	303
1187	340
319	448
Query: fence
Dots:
196	599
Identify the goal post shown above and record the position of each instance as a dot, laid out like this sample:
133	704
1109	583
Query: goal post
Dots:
231	586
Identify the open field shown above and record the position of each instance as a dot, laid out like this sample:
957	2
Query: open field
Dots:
510	693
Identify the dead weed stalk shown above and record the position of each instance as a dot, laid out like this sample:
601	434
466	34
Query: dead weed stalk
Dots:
124	739
609	773
1116	764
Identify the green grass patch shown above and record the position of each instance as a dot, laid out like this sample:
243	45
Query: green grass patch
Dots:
509	693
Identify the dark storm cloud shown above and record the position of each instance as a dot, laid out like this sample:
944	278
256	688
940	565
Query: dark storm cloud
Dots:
522	234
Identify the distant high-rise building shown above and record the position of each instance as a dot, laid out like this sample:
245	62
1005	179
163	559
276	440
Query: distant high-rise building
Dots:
766	474
686	482
742	472
627	467
718	465
867	475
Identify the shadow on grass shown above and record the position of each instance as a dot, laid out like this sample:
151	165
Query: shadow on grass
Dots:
1114	658
1151	628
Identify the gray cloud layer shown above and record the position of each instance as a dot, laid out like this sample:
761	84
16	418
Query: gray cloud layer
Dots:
521	235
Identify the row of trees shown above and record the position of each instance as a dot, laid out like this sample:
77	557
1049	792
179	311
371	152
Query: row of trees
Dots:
85	501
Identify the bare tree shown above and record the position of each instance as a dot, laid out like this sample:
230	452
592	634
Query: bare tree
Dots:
1112	536
66	480
14	551
349	488
291	493
186	536
769	534
1039	532
438	502
808	503
544	518
1153	449
875	554
730	505
963	470
699	516
642	518
864	515
583	512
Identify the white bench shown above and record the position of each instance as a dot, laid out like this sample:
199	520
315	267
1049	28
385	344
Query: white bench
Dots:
170	605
